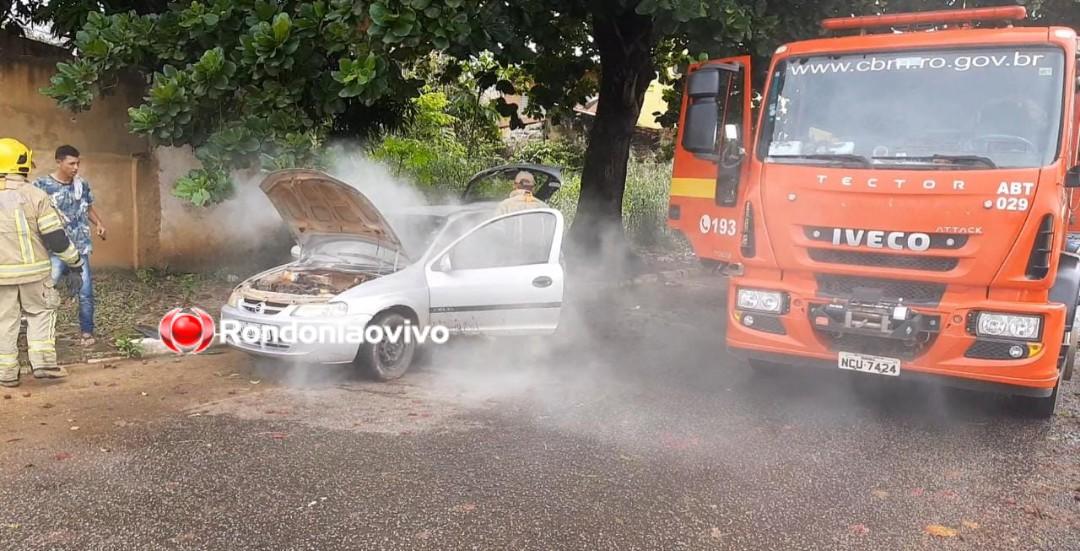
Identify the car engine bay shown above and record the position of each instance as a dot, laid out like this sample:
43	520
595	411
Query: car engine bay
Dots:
310	281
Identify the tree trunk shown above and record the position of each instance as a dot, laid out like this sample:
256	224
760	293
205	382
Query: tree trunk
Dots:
625	42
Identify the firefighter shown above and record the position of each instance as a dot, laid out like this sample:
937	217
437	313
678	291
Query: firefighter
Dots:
521	198
29	229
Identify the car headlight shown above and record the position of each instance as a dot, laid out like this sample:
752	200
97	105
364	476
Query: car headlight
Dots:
760	301
234	299
1009	326
322	310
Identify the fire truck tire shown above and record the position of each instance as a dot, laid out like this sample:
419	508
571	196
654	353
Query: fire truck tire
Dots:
1070	354
1039	408
384	360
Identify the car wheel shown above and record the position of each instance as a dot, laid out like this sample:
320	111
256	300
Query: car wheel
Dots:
385	360
1039	408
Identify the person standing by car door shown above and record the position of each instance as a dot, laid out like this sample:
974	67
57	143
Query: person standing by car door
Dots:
521	234
30	228
522	197
72	196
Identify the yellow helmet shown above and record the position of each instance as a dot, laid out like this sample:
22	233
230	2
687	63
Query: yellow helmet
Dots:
15	158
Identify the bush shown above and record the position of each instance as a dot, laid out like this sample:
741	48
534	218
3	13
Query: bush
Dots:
431	153
565	154
645	202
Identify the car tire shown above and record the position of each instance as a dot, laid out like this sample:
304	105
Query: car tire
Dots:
1038	408
386	361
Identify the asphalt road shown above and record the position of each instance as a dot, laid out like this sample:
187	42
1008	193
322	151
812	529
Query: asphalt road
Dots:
630	430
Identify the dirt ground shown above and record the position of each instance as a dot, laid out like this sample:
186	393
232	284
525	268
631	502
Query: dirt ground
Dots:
634	429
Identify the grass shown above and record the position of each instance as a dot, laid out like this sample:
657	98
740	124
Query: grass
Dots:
645	204
125	299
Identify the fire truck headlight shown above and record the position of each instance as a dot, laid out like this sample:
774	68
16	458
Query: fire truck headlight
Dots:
1009	326
234	299
760	301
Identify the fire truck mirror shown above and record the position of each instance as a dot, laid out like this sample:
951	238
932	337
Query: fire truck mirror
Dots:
1072	177
704	89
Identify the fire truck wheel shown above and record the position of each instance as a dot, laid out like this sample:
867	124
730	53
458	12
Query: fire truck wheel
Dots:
1070	354
385	360
1039	408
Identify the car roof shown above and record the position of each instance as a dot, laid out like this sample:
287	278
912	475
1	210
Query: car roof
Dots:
444	210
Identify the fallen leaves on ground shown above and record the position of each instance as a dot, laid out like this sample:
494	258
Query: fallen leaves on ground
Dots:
278	435
969	525
940	531
859	529
62	456
466	507
880	494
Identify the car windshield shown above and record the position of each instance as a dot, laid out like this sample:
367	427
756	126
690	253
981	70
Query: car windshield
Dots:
416	231
975	108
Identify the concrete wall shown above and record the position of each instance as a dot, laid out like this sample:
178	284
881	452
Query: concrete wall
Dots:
117	164
243	234
133	181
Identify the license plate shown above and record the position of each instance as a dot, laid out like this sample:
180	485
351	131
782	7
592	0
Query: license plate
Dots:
260	331
869	364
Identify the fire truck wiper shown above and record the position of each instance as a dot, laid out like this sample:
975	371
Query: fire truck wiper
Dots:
951	159
842	157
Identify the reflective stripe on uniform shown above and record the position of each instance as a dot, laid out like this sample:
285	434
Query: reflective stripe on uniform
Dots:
41	346
22	270
23	229
48	222
70	255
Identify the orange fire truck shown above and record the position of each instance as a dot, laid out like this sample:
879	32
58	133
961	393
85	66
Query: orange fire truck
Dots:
902	205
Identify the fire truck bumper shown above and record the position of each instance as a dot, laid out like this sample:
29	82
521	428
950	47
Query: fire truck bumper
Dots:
933	342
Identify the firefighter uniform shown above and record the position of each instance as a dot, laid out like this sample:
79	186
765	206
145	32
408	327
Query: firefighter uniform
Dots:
29	229
520	199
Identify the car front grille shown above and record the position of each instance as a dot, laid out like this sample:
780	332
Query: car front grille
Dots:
262	307
883	260
868	289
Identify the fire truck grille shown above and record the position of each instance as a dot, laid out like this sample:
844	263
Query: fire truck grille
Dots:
867	289
882	260
877	346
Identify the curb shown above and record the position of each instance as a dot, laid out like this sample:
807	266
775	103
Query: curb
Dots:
154	348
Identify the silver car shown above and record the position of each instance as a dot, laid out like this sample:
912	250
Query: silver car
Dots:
455	268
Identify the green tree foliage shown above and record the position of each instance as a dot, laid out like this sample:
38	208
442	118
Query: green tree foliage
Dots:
261	81
252	80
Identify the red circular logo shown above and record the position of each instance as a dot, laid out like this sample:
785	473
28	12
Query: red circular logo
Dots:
188	332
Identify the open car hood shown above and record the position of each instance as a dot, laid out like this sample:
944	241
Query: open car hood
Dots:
314	203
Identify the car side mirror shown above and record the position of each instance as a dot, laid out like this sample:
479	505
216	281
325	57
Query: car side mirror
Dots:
295	251
1072	177
443	265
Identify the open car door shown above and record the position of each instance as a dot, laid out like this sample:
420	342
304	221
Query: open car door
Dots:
496	183
708	184
501	278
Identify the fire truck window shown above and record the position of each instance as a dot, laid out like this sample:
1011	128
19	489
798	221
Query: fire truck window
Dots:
1004	104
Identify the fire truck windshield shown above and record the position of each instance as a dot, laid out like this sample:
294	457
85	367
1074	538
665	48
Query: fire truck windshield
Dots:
974	109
